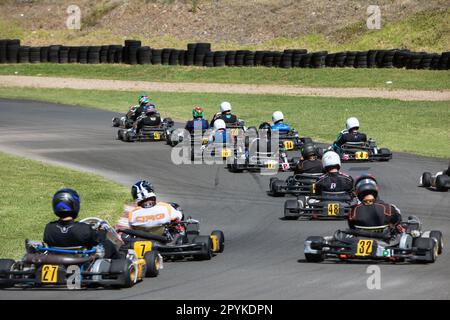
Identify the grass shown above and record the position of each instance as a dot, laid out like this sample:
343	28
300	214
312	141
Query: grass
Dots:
326	77
26	195
407	126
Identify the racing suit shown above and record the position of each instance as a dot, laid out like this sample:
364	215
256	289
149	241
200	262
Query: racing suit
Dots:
77	234
227	117
281	127
346	136
378	214
149	218
309	166
334	182
197	124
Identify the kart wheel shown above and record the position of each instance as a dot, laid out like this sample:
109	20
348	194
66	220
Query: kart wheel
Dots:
220	240
153	263
385	154
426	179
206	253
276	186
115	122
128	273
442	182
6	265
316	244
439	241
291	210
429	246
120	135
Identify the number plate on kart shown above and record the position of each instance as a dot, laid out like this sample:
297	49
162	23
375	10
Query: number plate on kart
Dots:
271	164
333	209
156	136
142	247
226	153
49	273
364	248
288	145
234	132
204	141
361	155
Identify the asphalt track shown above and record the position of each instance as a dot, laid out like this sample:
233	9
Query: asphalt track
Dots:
263	258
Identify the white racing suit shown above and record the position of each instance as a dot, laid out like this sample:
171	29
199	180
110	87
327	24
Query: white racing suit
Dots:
156	216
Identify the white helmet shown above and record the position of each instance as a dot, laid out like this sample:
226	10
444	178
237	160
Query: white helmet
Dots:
277	116
351	123
331	158
219	124
225	106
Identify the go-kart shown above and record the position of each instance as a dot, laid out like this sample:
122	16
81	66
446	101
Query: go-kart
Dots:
147	133
378	243
327	206
440	181
78	267
364	151
177	240
299	184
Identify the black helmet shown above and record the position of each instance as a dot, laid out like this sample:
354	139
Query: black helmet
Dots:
265	125
66	203
308	150
366	184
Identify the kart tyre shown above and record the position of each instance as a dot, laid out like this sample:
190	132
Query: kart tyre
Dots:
115	122
206	254
153	264
385	154
127	270
220	239
291	208
428	245
276	186
306	140
426	179
6	265
120	135
314	257
442	182
439	240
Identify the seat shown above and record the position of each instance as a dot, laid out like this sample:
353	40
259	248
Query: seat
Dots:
56	259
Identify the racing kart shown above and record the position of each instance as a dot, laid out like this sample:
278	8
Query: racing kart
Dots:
299	184
364	151
177	240
414	245
328	206
147	133
44	266
439	181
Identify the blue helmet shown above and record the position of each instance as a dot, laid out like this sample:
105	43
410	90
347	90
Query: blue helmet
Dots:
66	203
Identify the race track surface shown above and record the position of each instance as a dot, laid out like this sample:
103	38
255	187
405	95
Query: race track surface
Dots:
263	257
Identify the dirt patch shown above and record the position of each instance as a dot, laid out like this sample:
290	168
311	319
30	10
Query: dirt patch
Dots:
94	84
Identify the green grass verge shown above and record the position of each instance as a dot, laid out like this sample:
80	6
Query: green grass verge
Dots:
327	77
26	195
408	126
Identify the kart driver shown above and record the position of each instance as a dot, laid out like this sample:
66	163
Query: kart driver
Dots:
137	110
308	162
278	123
198	122
372	214
150	214
350	134
225	114
151	118
219	134
333	180
65	232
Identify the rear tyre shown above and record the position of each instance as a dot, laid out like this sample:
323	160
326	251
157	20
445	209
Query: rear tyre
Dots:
439	240
442	182
153	264
385	153
314	257
276	187
429	246
426	179
128	273
6	265
291	210
206	253
220	239
115	122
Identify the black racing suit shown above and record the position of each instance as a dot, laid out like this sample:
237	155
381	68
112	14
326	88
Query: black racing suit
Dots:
228	118
77	234
377	214
152	120
309	166
344	137
334	182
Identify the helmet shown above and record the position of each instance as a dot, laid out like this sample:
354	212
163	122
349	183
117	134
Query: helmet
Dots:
143	100
198	112
149	108
142	190
219	124
331	159
277	116
66	203
308	150
265	125
225	106
366	184
352	123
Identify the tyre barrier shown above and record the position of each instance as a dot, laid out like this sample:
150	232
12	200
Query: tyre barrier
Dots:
200	54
